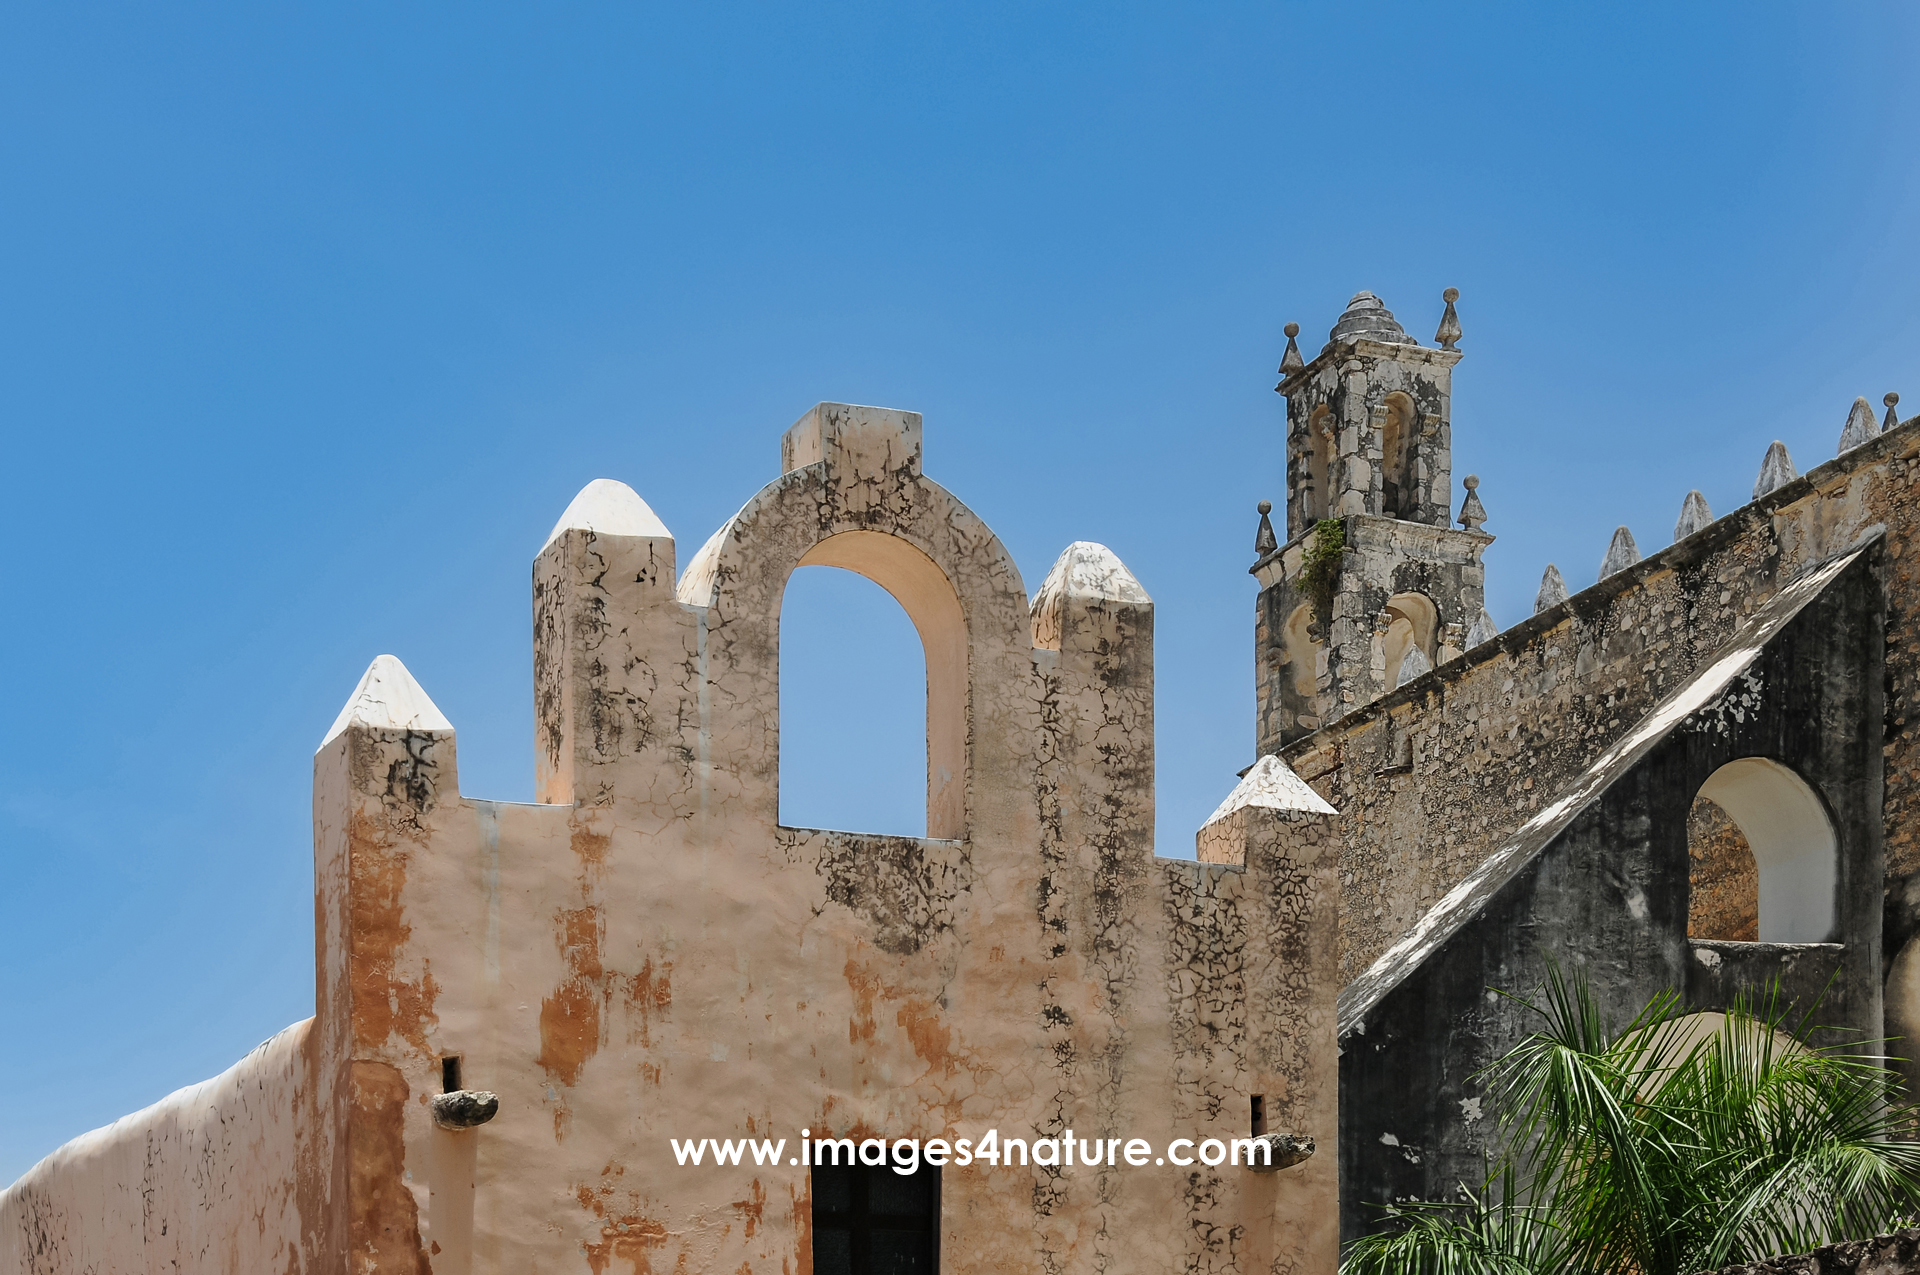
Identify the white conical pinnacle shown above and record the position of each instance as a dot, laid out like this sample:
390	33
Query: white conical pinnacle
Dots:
1621	553
1415	663
388	699
1776	471
1553	590
1483	629
1694	515
1860	427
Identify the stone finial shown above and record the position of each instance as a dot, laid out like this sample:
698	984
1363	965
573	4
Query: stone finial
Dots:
1694	515
1367	316
1449	334
388	698
1776	471
1264	541
1892	401
1860	427
1621	553
1473	514
1291	362
1553	590
1413	665
1483	629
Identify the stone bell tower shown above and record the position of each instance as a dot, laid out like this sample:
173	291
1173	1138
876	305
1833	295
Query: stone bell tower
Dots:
1373	585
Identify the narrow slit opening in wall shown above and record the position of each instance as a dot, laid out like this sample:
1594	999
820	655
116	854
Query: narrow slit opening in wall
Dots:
853	707
1259	1114
450	1074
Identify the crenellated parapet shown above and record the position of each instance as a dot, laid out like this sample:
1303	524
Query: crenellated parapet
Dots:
519	1005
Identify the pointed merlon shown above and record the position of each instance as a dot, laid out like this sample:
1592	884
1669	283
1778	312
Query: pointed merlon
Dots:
1893	418
1291	362
1553	590
1264	541
1621	553
1860	427
1776	471
1270	784
1473	514
388	699
1483	629
1413	665
1084	572
1694	516
1449	334
608	507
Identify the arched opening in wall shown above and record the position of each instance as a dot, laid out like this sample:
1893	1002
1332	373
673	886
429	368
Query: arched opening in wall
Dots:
1412	626
1762	857
852	738
853	707
1396	451
1319	499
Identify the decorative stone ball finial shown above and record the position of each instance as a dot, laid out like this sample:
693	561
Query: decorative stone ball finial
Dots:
1893	418
1473	514
1291	362
1449	334
1264	541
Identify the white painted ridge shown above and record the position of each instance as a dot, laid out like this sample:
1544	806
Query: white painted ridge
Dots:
388	699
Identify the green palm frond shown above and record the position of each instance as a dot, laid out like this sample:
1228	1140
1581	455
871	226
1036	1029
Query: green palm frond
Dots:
1657	1151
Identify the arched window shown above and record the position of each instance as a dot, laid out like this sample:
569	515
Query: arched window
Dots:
853	707
1396	451
1412	624
1762	857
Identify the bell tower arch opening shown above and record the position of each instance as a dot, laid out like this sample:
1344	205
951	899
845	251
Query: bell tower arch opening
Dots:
1396	455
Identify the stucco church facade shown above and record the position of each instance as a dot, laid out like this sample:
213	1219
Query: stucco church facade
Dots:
1692	774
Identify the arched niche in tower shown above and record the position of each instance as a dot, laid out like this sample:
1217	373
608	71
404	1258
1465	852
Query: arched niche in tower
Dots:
1300	653
1319	460
1397	497
1412	622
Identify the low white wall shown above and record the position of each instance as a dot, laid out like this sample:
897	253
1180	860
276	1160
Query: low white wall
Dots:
205	1180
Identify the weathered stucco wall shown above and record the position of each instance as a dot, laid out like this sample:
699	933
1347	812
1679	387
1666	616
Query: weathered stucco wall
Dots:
650	955
229	1175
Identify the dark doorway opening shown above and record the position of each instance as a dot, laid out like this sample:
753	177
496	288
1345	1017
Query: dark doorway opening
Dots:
869	1220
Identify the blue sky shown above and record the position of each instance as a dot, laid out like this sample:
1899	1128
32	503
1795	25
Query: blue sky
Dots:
313	319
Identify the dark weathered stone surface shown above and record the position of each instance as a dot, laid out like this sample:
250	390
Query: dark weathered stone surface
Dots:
1893	1254
464	1108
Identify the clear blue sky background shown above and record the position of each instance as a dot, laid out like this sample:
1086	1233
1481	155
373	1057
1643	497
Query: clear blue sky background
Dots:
312	320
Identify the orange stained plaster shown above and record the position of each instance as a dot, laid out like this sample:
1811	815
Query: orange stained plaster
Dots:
384	1004
751	1207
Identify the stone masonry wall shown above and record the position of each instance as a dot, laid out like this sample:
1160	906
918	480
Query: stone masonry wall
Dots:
1430	777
